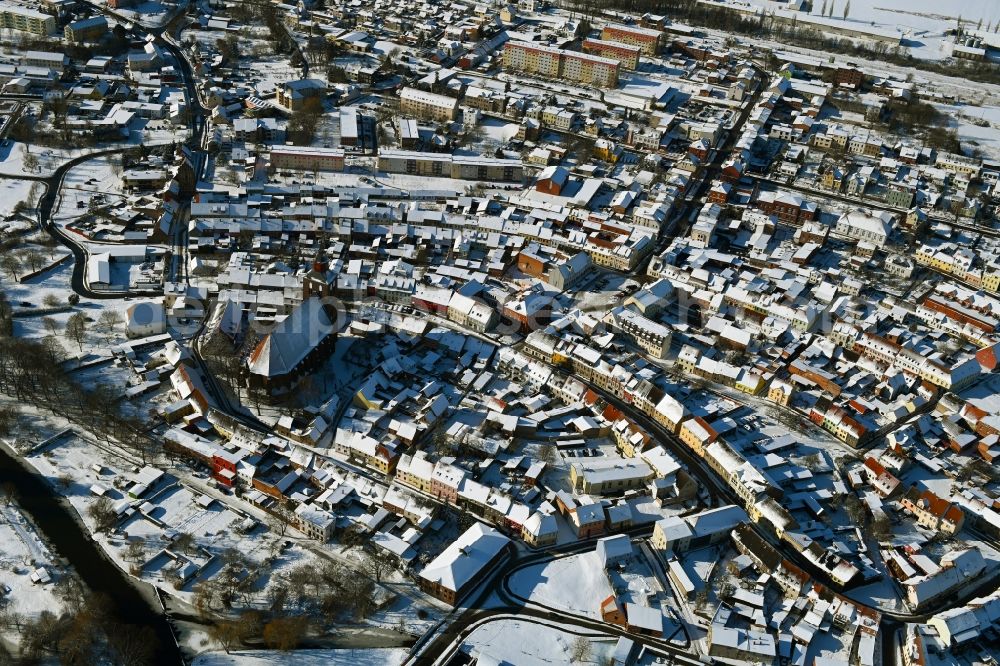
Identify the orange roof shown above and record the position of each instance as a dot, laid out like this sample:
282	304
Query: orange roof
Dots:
610	602
953	514
934	504
875	466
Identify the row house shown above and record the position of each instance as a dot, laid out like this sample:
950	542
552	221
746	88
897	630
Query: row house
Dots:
951	378
789	208
651	336
883	481
697	434
933	512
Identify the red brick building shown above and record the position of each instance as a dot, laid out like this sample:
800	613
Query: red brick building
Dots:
787	207
848	76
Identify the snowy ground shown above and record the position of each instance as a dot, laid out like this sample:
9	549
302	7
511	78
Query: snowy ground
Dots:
978	126
13	190
946	85
576	584
82	182
531	644
920	23
68	463
21	552
12	155
359	657
57	284
72	459
150	14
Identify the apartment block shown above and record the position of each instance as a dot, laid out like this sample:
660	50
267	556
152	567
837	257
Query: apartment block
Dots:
468	167
556	63
24	19
424	104
626	54
648	40
307	158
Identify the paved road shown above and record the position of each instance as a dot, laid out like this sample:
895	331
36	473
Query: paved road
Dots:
46	205
480	607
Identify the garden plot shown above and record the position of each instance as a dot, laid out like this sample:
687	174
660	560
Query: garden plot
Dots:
71	467
22	552
180	510
35	292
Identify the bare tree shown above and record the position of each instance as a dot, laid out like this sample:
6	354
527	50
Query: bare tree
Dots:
579	650
135	550
855	510
227	633
34	260
183	542
377	565
131	645
108	321
35	193
285	633
103	513
547	453
882	528
206	594
10	265
277	525
76	328
8	419
9	492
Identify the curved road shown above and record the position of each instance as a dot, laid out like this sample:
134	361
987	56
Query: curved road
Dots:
46	204
469	618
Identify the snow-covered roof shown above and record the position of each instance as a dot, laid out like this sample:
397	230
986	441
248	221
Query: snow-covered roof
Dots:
291	340
465	557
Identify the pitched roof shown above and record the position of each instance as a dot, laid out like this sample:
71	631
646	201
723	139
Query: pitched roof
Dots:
465	557
291	340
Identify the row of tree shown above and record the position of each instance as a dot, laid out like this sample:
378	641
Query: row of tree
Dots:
308	598
85	633
766	26
32	372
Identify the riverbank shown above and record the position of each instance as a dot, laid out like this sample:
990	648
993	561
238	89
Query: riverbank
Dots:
132	602
334	657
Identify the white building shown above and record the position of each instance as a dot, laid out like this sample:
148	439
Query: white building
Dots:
865	226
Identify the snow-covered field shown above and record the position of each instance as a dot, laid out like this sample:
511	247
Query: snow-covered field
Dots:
82	182
358	657
920	23
21	552
576	584
532	644
12	159
13	190
57	284
978	125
